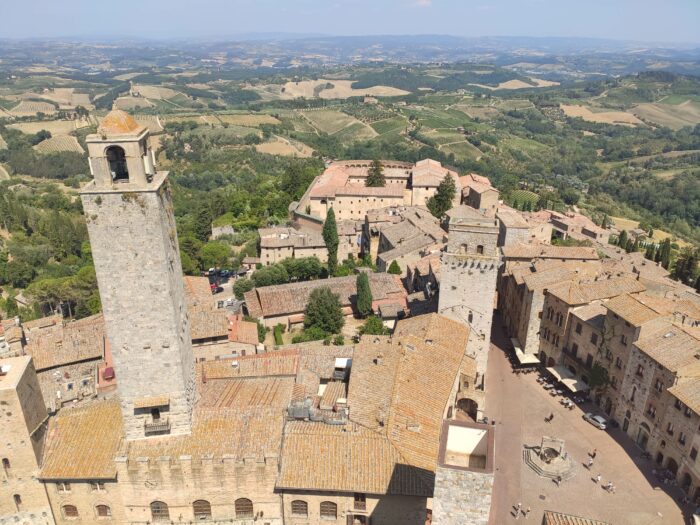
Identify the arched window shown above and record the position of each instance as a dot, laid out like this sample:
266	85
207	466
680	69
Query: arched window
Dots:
202	509
70	511
18	502
116	158
480	249
103	511
244	508
159	511
329	510
300	508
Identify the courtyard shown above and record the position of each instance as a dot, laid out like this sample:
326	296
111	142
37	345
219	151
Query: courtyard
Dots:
519	406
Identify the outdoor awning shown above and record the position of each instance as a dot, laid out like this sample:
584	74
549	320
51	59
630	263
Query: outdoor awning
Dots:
152	402
560	372
574	385
523	358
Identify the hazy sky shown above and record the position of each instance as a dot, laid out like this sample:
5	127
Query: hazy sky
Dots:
648	20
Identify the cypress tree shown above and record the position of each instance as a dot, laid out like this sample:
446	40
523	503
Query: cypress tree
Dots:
666	253
364	295
330	237
650	252
375	176
439	203
394	268
622	239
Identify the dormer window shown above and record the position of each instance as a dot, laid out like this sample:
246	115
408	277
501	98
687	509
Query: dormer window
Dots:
116	158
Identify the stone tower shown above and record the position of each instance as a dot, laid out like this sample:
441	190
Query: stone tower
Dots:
468	277
129	213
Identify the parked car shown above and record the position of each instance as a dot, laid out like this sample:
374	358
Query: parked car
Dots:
596	421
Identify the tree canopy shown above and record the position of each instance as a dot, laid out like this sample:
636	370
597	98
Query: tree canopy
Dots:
330	237
375	176
439	203
324	311
364	295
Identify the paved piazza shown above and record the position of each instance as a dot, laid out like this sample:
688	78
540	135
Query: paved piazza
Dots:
519	405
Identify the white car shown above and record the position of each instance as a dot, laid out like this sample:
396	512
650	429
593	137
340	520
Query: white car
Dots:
596	421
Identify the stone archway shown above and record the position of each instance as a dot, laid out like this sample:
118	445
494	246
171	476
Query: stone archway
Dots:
468	407
686	483
672	466
643	436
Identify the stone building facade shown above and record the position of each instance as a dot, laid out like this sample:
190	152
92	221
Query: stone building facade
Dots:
469	270
23	419
131	224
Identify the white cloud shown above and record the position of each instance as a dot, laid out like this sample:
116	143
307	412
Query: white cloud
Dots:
424	3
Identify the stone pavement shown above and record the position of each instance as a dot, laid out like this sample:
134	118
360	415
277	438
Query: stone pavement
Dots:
519	405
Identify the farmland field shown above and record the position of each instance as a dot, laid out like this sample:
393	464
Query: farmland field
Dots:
55	127
248	120
523	196
28	108
674	116
59	143
463	150
604	117
128	103
659	235
285	148
390	125
155	92
152	122
331	122
340	89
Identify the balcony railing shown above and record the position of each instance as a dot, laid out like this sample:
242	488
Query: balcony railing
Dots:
157	427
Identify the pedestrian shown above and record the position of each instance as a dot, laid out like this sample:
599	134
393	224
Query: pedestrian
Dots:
527	512
595	451
517	510
597	478
558	480
590	463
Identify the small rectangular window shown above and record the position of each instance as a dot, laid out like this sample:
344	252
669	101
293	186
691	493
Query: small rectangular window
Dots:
594	338
579	328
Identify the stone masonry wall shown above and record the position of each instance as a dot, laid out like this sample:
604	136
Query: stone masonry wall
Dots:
461	497
137	261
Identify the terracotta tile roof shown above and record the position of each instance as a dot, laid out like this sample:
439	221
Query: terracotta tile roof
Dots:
556	518
574	293
532	251
374	367
244	393
198	291
593	314
317	363
96	428
430	173
286	299
119	122
270	364
207	323
421	389
394	382
289	237
334	390
152	401
670	346
638	309
254	432
357	460
369	191
552	276
511	218
243	331
63	343
688	392
43	322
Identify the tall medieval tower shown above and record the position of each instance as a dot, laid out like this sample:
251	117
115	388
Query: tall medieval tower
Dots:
129	213
468	278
